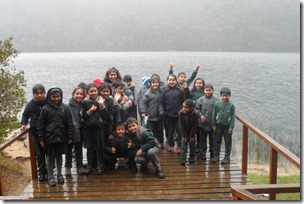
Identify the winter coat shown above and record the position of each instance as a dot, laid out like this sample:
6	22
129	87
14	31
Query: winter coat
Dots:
55	121
121	146
172	99
142	139
188	123
205	105
197	94
151	104
75	110
223	114
32	111
140	97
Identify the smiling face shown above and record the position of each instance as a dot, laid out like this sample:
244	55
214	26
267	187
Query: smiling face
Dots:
78	95
93	92
132	127
171	81
155	85
113	76
225	97
186	108
56	98
120	131
199	84
105	92
118	89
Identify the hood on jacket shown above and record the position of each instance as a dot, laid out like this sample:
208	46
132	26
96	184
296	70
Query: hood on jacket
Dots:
50	92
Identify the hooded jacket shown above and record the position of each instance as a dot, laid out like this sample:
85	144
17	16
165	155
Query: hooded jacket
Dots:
55	121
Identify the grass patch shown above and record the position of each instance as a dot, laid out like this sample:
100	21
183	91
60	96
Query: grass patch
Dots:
8	165
263	179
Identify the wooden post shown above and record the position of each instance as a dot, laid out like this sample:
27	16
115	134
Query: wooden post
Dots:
33	156
1	193
245	150
273	170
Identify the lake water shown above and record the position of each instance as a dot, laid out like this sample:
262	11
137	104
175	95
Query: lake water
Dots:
265	86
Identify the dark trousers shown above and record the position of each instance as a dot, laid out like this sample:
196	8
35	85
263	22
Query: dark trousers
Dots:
220	132
203	142
198	138
185	148
109	160
150	155
170	128
157	127
50	165
40	155
91	153
79	156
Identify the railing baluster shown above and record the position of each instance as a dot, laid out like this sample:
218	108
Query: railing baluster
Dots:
33	156
1	192
273	166
245	150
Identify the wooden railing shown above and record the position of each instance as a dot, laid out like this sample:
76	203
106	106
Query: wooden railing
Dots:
247	192
10	141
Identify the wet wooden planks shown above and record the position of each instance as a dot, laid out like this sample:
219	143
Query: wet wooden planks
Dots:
198	181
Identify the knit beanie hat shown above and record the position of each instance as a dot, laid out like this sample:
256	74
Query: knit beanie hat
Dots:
146	80
98	81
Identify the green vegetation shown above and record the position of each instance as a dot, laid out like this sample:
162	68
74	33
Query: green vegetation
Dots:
12	93
263	179
8	165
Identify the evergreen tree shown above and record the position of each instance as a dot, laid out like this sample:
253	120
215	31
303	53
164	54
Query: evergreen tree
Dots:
12	93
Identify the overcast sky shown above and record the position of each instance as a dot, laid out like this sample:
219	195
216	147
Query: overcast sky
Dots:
152	25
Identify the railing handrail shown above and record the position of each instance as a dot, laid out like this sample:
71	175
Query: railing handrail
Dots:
274	144
11	140
246	192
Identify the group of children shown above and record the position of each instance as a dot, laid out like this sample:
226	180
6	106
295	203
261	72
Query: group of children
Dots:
102	117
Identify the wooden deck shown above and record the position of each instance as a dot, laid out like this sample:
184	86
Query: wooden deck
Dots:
198	181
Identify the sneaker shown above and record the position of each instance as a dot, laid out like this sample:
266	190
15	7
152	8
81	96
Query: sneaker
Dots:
87	171
215	159
52	182
160	174
183	162
68	171
162	146
80	171
226	160
144	168
192	159
60	179
170	149
203	156
41	177
99	171
179	150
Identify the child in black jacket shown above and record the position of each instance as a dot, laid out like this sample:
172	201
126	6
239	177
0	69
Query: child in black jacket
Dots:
188	122
32	111
55	128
